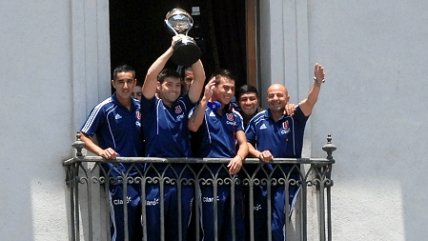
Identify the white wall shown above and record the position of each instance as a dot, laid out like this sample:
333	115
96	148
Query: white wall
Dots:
49	63
375	55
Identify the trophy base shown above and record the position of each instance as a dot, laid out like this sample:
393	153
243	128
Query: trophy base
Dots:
186	52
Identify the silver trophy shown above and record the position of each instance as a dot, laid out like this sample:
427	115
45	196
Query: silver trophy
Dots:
186	51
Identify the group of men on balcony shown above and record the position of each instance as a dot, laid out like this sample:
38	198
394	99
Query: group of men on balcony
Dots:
160	125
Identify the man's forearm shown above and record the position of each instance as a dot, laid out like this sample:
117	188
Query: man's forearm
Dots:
195	121
90	145
198	82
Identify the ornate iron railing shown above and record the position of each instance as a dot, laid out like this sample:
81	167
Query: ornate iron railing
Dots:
88	181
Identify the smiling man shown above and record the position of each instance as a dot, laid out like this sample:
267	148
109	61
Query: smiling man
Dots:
249	104
167	136
116	124
274	134
222	136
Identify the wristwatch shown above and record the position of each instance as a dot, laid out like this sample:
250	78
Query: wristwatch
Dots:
317	81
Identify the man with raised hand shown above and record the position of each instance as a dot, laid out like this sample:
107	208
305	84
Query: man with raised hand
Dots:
166	135
222	132
274	134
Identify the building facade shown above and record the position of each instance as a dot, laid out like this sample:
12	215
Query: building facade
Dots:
55	67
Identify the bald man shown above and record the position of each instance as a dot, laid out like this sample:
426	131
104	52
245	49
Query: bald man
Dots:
273	134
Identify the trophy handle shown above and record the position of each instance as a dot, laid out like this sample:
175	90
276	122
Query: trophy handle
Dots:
171	28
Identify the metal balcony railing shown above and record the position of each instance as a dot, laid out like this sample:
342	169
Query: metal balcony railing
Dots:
309	216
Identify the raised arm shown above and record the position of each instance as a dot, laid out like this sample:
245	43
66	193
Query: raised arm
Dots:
197	117
150	83
308	104
198	81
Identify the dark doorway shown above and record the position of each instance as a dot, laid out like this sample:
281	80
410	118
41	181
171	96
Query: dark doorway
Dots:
138	34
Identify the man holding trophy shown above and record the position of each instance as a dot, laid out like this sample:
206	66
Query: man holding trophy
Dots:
165	114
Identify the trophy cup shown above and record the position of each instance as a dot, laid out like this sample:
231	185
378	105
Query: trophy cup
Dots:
186	52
